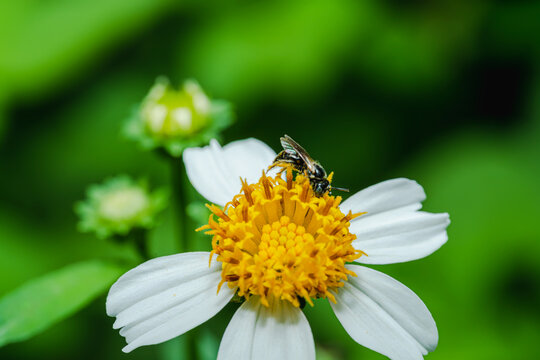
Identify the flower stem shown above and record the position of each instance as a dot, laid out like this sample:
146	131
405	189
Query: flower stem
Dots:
180	202
140	240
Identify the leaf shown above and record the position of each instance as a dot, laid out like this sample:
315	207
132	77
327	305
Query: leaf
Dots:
42	302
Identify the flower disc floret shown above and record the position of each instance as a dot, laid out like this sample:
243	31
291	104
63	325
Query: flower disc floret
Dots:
276	239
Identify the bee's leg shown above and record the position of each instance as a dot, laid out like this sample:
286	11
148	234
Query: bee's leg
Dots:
283	168
283	160
277	163
282	164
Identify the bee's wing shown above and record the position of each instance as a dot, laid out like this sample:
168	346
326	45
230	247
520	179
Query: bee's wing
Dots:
289	145
292	147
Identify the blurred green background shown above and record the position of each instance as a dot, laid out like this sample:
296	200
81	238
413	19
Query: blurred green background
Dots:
443	92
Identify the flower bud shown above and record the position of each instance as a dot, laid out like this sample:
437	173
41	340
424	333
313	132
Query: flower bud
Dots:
119	205
176	119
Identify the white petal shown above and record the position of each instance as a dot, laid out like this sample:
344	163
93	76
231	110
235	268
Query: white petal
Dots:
398	236
384	315
384	196
393	230
215	172
165	297
257	332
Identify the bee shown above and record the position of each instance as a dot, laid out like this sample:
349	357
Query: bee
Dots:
298	158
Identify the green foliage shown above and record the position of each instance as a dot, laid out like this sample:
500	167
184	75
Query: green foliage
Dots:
44	44
264	48
207	346
489	186
173	349
445	92
42	302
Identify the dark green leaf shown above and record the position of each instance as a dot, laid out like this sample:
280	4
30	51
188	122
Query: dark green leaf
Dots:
41	302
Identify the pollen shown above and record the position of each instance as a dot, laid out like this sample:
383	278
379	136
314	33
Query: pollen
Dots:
276	239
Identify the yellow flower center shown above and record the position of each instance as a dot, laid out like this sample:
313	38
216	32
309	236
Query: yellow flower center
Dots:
276	239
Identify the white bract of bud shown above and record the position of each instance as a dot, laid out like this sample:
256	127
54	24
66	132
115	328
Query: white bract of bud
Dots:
170	113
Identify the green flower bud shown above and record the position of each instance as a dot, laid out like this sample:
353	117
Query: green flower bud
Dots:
119	205
177	119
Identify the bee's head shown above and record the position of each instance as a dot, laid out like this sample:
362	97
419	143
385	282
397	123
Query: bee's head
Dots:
320	186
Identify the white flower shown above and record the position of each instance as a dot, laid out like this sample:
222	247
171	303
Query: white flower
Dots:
277	245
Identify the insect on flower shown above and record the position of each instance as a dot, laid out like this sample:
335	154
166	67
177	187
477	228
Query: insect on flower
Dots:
298	158
278	245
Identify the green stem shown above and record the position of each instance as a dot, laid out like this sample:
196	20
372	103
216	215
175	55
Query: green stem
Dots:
192	345
141	243
180	202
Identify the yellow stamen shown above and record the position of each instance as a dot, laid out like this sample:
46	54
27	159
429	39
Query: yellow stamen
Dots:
276	239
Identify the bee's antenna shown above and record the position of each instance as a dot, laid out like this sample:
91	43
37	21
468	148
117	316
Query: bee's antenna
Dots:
340	189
